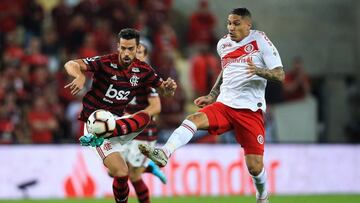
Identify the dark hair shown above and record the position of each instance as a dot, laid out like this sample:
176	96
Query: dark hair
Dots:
129	33
243	12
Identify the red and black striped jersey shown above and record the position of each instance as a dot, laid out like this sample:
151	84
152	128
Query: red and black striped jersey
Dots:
140	102
114	86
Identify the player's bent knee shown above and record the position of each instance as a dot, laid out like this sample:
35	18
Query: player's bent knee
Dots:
133	176
254	164
199	119
116	165
255	170
119	172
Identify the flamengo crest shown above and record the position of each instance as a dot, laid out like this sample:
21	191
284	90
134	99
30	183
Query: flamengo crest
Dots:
134	80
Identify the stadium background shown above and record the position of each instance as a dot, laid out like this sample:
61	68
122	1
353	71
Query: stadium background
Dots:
312	133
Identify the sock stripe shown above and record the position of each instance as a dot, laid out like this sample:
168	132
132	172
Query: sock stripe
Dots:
119	128
188	127
141	193
143	200
144	116
127	126
136	122
121	189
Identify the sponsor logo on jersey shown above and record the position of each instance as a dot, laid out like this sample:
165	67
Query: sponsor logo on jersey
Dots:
117	94
240	54
134	80
223	46
260	139
135	70
91	59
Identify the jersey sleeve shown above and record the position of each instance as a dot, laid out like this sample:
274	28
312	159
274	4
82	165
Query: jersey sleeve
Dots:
152	79
218	47
269	52
93	63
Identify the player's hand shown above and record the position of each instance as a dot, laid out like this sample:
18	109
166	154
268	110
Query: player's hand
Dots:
251	69
169	87
91	140
204	100
77	84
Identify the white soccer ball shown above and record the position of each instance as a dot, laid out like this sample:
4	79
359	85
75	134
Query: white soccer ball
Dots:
101	123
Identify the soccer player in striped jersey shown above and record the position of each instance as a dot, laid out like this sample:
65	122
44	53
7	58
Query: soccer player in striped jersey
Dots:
117	78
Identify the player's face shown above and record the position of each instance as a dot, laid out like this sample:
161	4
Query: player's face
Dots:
238	27
127	51
140	54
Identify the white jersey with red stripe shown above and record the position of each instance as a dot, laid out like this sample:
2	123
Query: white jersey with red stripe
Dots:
237	89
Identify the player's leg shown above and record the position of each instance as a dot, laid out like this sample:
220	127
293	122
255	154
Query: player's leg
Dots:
211	118
180	137
137	163
156	171
256	168
118	169
108	151
249	129
127	127
141	189
132	123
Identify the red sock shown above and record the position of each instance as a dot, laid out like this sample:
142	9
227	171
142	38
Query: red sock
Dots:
142	191
121	189
136	122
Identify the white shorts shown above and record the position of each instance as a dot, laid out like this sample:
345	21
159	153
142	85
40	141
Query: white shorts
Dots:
114	144
131	153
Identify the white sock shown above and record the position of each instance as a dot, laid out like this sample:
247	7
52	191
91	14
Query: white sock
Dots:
260	184
180	137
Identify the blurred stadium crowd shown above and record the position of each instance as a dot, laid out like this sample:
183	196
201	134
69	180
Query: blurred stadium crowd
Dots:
38	36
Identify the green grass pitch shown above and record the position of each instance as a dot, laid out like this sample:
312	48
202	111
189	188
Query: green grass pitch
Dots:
227	199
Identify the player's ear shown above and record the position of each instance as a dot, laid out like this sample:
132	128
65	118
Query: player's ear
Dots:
118	46
247	22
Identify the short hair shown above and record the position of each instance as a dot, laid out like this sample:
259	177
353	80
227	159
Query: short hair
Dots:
243	12
129	33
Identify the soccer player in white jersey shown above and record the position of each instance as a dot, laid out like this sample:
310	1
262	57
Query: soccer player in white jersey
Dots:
237	100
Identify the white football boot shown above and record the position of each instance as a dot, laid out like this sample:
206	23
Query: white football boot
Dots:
157	155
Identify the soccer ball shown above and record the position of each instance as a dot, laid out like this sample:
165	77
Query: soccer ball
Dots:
101	123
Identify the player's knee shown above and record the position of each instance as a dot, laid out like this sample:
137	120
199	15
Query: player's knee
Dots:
134	176
255	169
199	119
119	172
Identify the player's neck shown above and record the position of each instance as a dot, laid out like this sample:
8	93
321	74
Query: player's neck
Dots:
123	66
241	38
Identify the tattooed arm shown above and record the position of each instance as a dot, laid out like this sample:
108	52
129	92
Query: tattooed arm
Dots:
277	74
214	93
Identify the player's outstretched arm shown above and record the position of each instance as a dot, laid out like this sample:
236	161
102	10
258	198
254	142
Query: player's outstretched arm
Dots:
214	93
75	69
167	88
154	106
277	74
